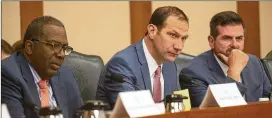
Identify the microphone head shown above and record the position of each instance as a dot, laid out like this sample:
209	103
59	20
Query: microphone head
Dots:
117	77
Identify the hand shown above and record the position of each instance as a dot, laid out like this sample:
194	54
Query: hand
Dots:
236	62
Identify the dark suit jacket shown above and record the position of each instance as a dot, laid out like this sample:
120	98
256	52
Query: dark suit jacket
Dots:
132	65
206	70
20	93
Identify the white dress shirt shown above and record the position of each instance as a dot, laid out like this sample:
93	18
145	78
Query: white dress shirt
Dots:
152	66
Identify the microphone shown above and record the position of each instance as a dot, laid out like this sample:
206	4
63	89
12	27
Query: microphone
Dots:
120	79
32	106
185	79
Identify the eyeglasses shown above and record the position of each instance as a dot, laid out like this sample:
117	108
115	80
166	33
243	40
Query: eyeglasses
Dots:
57	47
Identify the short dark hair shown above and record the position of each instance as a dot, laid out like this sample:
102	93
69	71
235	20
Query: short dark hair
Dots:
36	27
5	46
224	18
162	13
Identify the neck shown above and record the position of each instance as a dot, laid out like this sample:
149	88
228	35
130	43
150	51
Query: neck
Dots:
152	50
29	60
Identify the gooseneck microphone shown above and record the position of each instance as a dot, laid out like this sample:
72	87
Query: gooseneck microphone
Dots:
120	79
185	79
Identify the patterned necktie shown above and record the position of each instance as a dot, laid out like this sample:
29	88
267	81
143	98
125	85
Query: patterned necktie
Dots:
157	85
44	93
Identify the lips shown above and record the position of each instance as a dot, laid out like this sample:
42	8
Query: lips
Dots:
55	66
174	54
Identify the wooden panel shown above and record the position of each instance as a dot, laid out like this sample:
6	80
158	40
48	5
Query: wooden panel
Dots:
140	13
28	11
249	11
253	110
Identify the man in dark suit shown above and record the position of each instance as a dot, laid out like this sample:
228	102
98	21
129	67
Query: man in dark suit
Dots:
34	77
140	64
226	62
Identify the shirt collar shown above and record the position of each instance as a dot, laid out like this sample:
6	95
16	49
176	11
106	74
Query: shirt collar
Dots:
152	64
35	74
223	66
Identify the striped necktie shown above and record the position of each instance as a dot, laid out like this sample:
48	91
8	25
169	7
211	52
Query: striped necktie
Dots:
44	93
157	85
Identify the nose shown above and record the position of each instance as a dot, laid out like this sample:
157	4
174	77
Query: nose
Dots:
61	54
178	46
234	43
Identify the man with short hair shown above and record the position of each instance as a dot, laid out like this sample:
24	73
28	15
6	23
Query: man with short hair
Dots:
149	63
226	62
35	77
6	49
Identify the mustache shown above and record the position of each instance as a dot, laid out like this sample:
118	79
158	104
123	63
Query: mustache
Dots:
229	50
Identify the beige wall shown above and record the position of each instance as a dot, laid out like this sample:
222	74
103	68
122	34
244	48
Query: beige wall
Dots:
199	14
11	21
103	28
100	28
265	27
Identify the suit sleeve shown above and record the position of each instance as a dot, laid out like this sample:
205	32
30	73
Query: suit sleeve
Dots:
11	96
112	88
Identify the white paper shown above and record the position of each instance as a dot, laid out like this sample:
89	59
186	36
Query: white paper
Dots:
136	104
208	100
161	107
223	95
227	95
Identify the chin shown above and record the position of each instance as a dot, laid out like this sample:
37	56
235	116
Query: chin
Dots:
170	58
52	72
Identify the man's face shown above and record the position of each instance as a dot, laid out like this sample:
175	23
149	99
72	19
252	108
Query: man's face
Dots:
229	37
169	41
44	58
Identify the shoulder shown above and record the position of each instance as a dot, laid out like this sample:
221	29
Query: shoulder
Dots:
253	60
200	61
10	66
125	57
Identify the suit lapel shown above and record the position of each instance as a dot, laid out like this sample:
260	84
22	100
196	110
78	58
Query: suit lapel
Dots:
144	66
28	77
168	82
58	91
215	68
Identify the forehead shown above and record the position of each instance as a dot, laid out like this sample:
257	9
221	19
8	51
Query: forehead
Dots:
180	26
55	33
231	30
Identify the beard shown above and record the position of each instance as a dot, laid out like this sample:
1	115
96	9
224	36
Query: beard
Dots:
226	53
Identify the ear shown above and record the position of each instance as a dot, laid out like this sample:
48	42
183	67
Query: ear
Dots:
152	31
29	46
211	41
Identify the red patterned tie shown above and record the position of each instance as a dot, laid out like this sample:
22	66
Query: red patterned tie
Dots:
44	93
157	85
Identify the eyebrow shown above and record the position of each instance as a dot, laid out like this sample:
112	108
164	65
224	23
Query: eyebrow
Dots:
185	36
59	42
239	36
227	36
